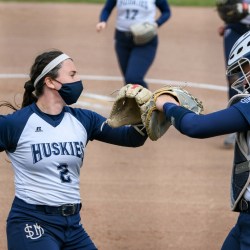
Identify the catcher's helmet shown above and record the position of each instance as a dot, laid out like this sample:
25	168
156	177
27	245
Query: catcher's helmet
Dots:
238	65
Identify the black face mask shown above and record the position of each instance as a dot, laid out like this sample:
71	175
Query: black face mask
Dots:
70	92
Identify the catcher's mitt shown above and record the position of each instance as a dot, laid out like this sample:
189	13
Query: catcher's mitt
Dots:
126	109
155	121
143	32
232	11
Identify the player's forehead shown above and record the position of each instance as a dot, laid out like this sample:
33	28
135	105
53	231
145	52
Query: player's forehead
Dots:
67	66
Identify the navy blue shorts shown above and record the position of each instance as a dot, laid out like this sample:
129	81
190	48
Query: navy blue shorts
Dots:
134	60
32	227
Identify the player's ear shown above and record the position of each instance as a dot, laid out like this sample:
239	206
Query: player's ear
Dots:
48	81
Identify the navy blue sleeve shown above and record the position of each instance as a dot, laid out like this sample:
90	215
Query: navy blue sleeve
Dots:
11	127
98	130
123	136
5	133
164	8
222	122
107	9
244	107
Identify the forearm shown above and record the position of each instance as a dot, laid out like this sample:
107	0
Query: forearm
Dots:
164	8
126	136
106	11
226	121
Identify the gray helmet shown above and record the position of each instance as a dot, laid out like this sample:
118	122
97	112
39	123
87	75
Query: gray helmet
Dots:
238	65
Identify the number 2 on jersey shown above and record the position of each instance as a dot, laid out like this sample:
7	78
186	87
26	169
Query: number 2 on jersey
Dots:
64	173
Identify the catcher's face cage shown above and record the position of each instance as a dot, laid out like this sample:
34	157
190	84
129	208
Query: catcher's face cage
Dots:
238	65
239	75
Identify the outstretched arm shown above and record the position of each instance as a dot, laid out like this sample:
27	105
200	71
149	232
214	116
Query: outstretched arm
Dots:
225	121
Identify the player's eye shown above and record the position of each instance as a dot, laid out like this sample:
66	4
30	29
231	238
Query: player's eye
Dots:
73	73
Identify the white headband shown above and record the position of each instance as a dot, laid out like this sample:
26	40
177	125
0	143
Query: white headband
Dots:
51	66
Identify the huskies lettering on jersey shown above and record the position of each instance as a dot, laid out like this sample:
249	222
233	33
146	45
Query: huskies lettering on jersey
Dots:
45	150
140	3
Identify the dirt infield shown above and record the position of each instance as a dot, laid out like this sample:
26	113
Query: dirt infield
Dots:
169	194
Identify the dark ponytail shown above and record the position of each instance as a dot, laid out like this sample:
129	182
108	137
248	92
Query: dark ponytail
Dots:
40	63
28	96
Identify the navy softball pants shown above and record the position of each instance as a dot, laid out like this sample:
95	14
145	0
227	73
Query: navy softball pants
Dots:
232	33
239	236
32	229
134	60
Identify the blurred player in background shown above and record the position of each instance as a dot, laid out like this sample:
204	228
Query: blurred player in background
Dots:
235	14
134	60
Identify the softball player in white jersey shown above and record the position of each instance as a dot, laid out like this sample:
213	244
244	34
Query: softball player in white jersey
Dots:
134	60
45	141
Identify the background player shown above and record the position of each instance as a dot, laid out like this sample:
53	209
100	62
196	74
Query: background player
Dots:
235	25
134	60
234	119
45	141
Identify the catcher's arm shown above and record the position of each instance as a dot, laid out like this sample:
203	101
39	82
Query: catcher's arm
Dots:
162	99
155	120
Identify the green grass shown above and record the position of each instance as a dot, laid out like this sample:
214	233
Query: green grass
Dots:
171	2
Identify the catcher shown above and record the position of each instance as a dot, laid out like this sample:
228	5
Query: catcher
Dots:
234	119
136	38
236	22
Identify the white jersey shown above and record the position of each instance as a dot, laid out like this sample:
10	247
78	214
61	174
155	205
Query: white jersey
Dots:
46	155
57	154
134	11
47	151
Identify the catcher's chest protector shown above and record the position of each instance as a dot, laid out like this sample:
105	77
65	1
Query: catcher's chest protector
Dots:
240	179
241	168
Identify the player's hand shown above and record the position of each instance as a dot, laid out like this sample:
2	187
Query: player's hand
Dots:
162	99
101	26
221	30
